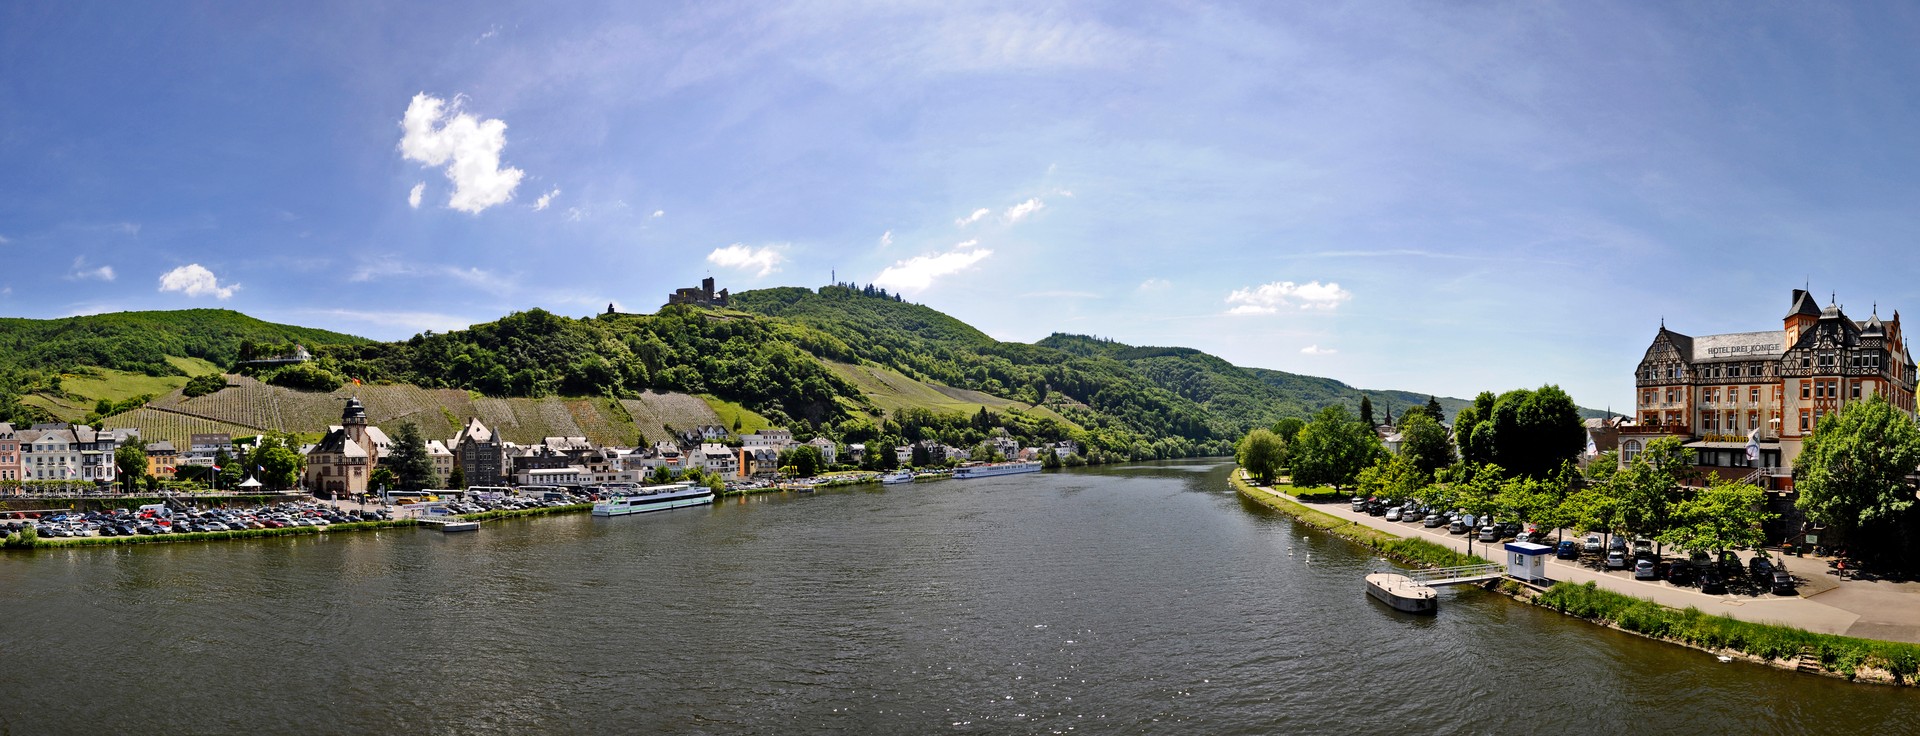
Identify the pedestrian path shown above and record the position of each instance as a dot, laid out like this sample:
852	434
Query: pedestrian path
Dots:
1877	610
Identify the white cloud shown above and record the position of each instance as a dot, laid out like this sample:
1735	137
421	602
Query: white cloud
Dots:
1317	350
6	290
195	280
966	244
765	258
4	240
1155	284
545	199
413	197
1270	298
886	239
659	213
490	33
1020	211
437	134
973	218
918	273
80	271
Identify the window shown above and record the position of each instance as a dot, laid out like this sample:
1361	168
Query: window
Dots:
1806	389
1803	420
1856	389
1755	395
1630	449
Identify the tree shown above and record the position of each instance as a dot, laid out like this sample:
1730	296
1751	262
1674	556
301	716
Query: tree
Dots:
1288	429
1434	410
716	484
660	476
1332	449
1425	442
1260	452
131	463
1721	516
1392	476
1366	410
381	478
1475	449
279	466
803	461
1852	477
229	473
458	478
1647	489
1051	460
1527	432
921	458
412	466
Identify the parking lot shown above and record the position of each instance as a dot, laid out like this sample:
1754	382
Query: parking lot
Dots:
1822	601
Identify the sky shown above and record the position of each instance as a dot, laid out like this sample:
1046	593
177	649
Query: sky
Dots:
1437	197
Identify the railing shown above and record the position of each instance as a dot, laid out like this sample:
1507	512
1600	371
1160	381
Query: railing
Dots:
1462	574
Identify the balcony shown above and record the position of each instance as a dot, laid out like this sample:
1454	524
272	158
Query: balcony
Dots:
1656	429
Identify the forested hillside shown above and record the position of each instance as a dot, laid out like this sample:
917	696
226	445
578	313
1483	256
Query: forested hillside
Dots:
857	365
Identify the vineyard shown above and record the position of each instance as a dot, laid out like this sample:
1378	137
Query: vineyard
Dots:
248	406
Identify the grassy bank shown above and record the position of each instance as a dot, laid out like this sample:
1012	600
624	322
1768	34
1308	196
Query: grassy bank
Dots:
572	508
294	531
1781	645
1411	551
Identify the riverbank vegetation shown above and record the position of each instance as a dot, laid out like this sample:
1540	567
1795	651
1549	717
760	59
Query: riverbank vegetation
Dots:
1841	655
1411	551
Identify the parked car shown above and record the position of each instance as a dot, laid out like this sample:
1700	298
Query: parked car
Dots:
1567	550
1457	527
1616	559
1730	564
1644	570
1761	569
1782	583
1434	521
1680	572
1489	533
1592	545
1617	542
1412	515
1393	514
1643	550
1712	582
1359	504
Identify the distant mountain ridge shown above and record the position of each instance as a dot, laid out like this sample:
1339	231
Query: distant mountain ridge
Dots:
821	360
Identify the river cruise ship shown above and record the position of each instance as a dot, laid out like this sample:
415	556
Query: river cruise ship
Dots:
984	471
903	476
654	498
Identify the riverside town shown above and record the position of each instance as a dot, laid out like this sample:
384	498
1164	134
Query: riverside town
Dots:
1214	367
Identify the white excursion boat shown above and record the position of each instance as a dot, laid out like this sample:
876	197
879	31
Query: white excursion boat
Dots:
989	470
656	498
901	476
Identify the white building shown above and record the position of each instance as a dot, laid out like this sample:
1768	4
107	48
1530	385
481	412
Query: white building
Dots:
775	439
828	452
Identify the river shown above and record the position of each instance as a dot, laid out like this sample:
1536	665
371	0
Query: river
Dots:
1145	598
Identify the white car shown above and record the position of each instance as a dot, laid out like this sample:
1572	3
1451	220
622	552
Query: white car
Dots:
1393	514
1592	545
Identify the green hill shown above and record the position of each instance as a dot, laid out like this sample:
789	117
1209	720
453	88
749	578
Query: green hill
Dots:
857	365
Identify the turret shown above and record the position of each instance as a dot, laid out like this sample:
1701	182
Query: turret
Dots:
1801	317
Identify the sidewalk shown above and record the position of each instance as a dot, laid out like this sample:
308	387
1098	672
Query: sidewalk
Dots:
1874	610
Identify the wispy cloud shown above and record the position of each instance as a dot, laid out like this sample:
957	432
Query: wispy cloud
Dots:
81	272
659	213
4	240
489	33
920	272
1154	284
413	197
390	267
438	134
545	199
886	239
972	217
1317	350
195	280
765	259
1271	297
1020	211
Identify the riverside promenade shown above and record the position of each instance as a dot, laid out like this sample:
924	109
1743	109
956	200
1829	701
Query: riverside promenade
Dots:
1826	604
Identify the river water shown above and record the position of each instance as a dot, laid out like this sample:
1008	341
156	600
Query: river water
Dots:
1137	599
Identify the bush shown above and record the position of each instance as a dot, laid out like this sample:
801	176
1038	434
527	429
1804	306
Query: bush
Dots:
1321	495
203	385
305	377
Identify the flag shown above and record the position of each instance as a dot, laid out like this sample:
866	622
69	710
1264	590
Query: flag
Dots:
1592	449
216	468
260	468
1753	445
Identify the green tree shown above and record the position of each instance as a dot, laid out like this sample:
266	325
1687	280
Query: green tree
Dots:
1852	477
660	476
1475	448
1332	449
1366	411
1288	429
1392	476
412	466
1260	452
382	478
1725	515
280	466
921	458
230	472
1425	442
716	484
1434	410
1051	460
130	462
458	478
804	461
1649	487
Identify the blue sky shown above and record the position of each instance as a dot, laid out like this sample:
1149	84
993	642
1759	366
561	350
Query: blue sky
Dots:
1436	197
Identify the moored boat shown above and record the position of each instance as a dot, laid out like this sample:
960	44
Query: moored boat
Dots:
901	476
992	469
658	498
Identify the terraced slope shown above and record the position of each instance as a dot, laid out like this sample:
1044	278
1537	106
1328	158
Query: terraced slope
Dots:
892	391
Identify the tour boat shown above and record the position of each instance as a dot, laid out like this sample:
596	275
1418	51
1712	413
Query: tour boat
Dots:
671	497
985	471
903	476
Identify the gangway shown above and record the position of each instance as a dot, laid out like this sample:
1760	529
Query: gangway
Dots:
1456	575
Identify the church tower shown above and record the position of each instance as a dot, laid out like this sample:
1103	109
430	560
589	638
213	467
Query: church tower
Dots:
354	421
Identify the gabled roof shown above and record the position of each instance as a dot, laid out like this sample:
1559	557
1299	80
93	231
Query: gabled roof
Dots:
163	447
1803	304
1680	342
337	443
475	431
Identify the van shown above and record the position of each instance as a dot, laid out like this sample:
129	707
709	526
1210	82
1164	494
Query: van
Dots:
158	510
